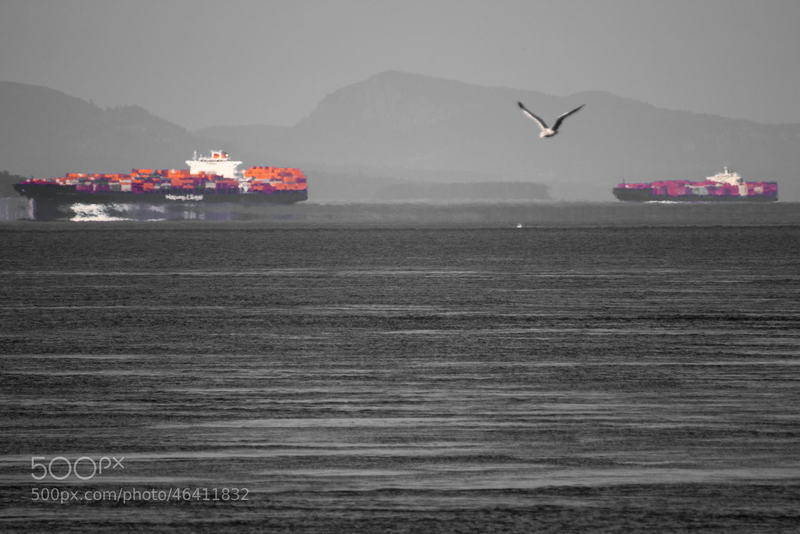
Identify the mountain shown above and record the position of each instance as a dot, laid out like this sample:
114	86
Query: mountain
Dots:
400	136
48	133
418	128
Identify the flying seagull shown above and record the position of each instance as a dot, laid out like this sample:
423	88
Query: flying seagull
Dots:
548	132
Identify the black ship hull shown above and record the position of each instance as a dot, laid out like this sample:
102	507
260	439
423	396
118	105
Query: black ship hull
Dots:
647	195
53	201
68	194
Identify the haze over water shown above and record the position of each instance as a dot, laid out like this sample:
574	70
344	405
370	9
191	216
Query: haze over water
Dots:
579	373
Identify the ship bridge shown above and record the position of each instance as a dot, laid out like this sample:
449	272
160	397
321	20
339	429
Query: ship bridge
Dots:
726	177
218	162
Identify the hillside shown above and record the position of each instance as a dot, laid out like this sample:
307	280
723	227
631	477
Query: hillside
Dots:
48	133
400	136
408	125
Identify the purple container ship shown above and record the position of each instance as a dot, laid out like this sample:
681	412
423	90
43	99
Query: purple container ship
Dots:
726	186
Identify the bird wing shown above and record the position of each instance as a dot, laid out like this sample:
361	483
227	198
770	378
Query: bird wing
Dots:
561	118
529	113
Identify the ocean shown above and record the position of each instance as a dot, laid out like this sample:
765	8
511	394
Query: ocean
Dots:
601	369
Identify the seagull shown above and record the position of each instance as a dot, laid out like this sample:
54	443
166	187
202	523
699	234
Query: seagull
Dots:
548	132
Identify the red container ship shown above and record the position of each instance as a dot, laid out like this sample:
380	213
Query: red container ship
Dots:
213	178
726	186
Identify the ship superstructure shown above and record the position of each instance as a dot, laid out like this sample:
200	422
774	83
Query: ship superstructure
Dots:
218	163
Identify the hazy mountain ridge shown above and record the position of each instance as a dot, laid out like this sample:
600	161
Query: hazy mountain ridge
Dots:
399	121
366	140
48	133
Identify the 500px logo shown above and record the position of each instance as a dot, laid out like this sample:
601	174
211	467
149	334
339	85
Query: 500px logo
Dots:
84	468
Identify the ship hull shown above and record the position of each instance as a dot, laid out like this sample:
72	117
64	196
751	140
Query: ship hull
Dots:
56	202
52	193
647	195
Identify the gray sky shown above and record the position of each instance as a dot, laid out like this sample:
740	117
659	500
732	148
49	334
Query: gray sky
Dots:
201	63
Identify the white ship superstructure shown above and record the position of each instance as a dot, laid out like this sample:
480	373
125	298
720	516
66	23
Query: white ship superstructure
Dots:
217	163
730	178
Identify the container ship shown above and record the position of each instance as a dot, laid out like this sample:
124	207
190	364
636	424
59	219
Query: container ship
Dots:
726	186
209	179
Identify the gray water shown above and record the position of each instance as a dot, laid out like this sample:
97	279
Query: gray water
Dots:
359	379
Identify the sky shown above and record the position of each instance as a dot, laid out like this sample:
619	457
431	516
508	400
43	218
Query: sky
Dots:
201	63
